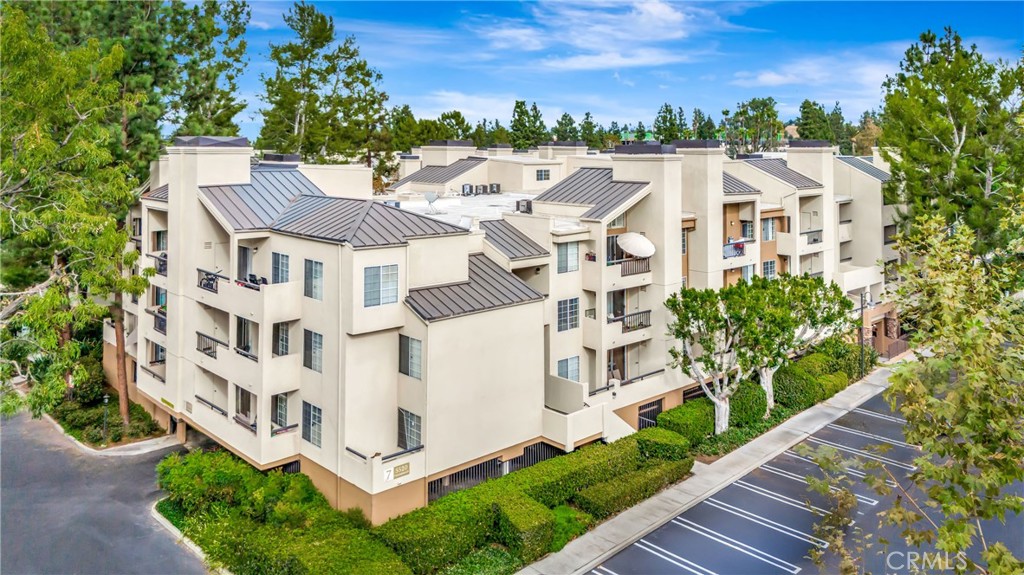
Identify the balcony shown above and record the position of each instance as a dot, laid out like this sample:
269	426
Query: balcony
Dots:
157	370
210	281
845	231
208	345
256	301
212	406
244	351
810	237
159	263
250	425
734	249
618	274
633	321
633	266
159	320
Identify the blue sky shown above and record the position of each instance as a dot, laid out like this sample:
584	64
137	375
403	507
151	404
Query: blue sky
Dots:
622	60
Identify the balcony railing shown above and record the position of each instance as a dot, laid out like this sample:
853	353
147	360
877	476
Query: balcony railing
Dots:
846	259
160	263
153	374
244	352
250	425
635	321
813	236
209	281
391	456
734	249
282	430
208	345
641	377
845	222
632	266
252	282
211	405
815	274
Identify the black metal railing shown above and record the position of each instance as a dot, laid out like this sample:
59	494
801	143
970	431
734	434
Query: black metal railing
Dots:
600	389
209	280
160	322
153	374
634	266
211	405
356	453
252	282
641	377
160	263
845	222
846	259
283	429
208	345
635	321
402	452
813	236
250	425
244	352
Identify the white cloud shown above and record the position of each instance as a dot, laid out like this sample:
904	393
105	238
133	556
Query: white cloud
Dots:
515	36
642	57
840	69
474	107
621	80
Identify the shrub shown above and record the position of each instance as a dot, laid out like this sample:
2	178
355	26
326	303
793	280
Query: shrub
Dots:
486	561
834	383
556	480
612	496
736	436
817	364
525	526
795	388
846	356
92	383
694	420
569	524
199	481
660	443
748	405
172	512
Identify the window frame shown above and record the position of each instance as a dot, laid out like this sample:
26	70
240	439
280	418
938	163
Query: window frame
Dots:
385	281
410	356
410	426
774	269
570	308
568	367
568	257
683	243
313	284
544	175
312	424
768	229
280	341
313	350
279	409
280	268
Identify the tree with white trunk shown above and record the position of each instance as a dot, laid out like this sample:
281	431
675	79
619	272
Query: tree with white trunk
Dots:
770	335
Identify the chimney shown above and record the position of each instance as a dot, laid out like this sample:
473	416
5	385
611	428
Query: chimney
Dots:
703	165
217	159
812	158
446	152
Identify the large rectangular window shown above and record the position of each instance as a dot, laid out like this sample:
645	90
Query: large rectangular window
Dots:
313	351
410	356
380	285
279	268
568	257
160	241
768	229
768	269
543	175
569	368
279	409
159	354
410	429
747	228
313	280
312	423
568	314
280	340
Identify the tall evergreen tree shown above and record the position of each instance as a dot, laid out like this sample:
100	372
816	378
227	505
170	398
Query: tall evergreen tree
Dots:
842	131
640	133
684	129
538	130
520	130
208	40
867	134
499	134
754	127
666	125
402	125
813	123
589	132
457	124
565	130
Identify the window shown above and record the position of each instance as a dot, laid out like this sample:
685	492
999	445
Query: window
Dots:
747	272
888	232
618	222
410	356
279	268
683	243
768	269
279	409
568	314
159	354
569	368
313	282
747	229
243	403
768	229
136	226
410	430
160	241
568	257
543	175
159	296
279	342
244	339
380	285
312	423
313	351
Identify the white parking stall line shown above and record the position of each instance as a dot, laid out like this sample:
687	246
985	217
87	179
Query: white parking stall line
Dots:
812	509
674	559
765	522
872	436
601	570
796	477
854	472
737	545
862	453
891	418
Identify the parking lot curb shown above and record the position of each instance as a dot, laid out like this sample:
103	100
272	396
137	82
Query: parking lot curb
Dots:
181	538
651	514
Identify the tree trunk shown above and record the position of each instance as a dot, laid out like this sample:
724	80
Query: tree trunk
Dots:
721	415
767	375
121	381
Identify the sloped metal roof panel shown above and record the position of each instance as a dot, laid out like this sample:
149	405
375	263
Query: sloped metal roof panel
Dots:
733	185
592	187
778	168
440	174
159	194
489	287
257	204
508	240
867	168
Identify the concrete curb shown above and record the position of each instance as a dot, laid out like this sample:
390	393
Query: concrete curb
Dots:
180	537
621	531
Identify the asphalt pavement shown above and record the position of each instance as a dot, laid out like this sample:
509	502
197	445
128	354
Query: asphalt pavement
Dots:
66	512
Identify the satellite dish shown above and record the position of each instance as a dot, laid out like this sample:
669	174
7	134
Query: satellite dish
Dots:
431	197
635	244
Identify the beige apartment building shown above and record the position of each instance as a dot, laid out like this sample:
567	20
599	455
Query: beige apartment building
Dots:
394	351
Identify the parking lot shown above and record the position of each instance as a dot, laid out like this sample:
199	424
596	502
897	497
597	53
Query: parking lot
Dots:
764	522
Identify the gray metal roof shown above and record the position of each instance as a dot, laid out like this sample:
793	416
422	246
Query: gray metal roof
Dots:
489	287
867	168
440	174
212	141
257	204
733	185
508	240
360	223
159	194
780	169
592	187
867	158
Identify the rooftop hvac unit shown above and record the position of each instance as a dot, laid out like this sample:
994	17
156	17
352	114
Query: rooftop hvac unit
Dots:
481	189
393	203
467	189
524	206
495	188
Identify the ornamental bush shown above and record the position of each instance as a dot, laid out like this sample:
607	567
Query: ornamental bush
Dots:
817	364
748	405
660	443
694	420
833	383
612	496
795	388
846	356
525	526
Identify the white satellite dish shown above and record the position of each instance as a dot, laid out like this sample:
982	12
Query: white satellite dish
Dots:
635	244
431	197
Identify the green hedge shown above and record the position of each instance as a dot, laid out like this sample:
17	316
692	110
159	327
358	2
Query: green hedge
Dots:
486	561
556	480
834	383
525	526
694	420
817	364
795	388
612	496
748	405
846	356
660	443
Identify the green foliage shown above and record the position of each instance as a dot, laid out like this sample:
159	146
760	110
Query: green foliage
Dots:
525	526
748	405
85	422
833	383
612	496
487	561
817	364
694	420
569	524
669	126
796	389
565	129
556	480
172	512
846	356
527	127
660	443
736	436
90	387
754	127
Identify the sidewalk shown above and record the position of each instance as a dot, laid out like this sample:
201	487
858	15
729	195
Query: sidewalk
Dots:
594	547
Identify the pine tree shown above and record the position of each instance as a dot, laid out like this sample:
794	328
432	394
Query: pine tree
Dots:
402	125
666	125
565	130
640	133
521	134
538	131
841	130
813	123
754	127
499	134
589	132
458	127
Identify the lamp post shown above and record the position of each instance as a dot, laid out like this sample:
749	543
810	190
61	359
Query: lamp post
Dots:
862	294
106	400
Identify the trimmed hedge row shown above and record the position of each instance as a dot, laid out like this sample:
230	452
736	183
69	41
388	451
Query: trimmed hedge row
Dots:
525	526
795	388
748	405
694	420
610	497
660	443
